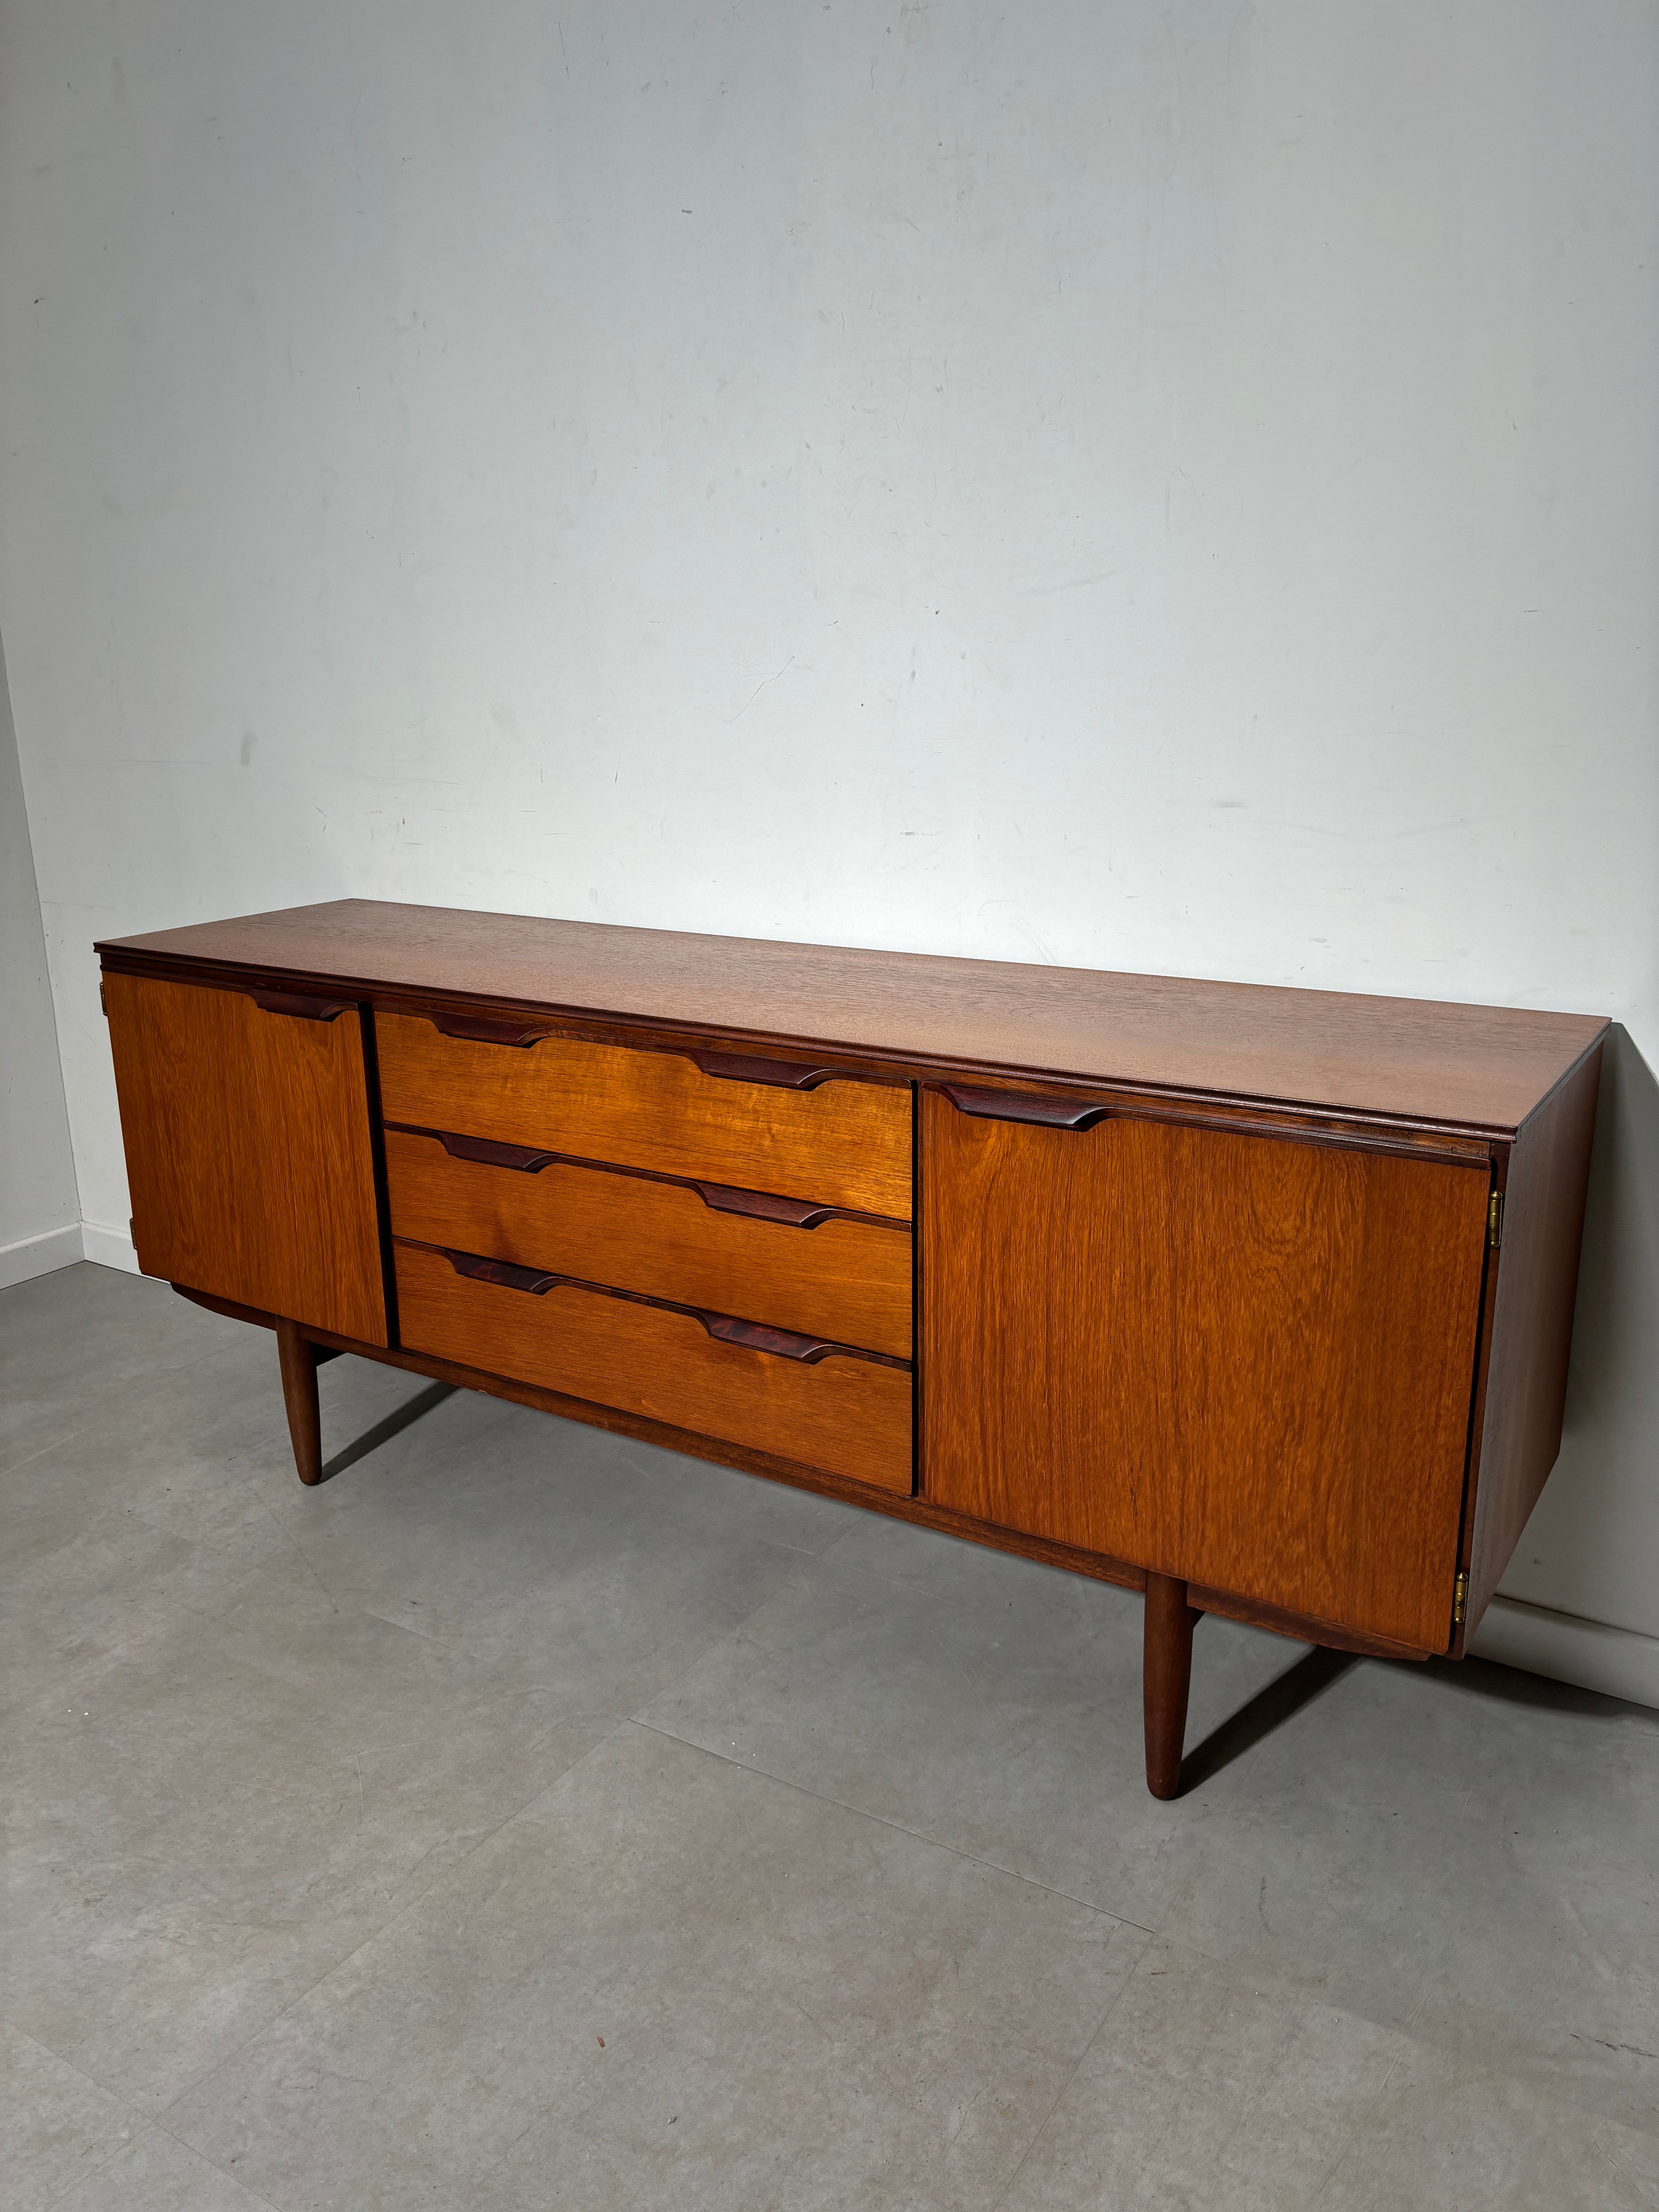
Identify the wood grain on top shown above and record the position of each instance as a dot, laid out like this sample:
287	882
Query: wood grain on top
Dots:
1483	1067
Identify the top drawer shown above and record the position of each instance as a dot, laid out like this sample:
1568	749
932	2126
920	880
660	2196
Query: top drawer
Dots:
844	1142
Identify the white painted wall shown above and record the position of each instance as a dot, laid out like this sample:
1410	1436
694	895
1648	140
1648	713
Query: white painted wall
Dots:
40	1210
1165	486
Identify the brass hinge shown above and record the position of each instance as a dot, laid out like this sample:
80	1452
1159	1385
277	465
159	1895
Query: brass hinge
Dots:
103	1003
1495	1219
1459	1600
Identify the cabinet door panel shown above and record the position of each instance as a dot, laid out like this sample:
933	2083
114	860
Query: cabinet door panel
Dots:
248	1151
1240	1360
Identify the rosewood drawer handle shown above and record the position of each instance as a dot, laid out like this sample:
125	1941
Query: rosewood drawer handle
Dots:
1024	1106
761	1205
301	1005
482	1029
755	1336
536	1280
780	1074
727	1328
491	1153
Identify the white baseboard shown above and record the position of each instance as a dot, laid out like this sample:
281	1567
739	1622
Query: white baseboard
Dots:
108	1248
1619	1662
38	1256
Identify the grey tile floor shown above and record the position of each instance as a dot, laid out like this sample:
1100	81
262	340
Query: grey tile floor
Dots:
528	1818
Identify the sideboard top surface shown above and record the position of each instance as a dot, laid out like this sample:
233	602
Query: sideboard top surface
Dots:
1480	1067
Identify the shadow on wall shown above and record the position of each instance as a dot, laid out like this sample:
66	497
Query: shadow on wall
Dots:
1592	1545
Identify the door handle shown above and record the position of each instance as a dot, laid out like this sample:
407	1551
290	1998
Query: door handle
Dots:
1025	1106
483	1029
301	1005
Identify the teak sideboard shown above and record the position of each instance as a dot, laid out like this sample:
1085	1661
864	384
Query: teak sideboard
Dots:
1258	1300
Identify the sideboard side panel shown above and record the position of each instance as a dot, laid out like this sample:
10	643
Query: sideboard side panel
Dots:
1544	1191
1244	1361
249	1152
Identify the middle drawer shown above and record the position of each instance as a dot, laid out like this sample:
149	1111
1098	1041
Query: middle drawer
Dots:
846	1280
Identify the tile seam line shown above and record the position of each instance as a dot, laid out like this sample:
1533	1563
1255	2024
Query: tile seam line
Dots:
16	1466
914	1591
155	1528
789	1551
68	1437
291	1542
1235	1969
917	1592
151	1376
1356	2130
256	2196
172	1619
775	1543
201	2080
1004	2193
146	2126
934	1843
798	1573
145	2121
643	1466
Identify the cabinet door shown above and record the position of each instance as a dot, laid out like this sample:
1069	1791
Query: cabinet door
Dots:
1240	1360
248	1151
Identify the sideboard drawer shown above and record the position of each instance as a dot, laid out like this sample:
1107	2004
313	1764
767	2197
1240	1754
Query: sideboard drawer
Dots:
847	1415
841	1142
846	1280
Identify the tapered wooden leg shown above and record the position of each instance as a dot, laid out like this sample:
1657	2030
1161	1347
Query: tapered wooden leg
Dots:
1166	1676
305	1416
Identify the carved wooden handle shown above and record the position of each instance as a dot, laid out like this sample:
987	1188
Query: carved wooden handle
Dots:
752	1335
755	1336
486	1029
745	1067
718	1197
494	1154
301	1005
1025	1106
536	1280
761	1205
728	1066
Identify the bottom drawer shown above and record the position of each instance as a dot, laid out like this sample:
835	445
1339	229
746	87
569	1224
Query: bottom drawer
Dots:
849	1416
